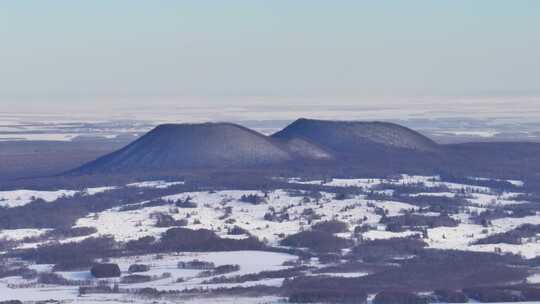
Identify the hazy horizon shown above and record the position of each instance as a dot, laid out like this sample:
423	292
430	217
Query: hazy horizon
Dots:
62	54
196	61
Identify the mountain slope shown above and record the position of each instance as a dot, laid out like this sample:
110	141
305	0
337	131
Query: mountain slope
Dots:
225	145
349	137
181	146
303	149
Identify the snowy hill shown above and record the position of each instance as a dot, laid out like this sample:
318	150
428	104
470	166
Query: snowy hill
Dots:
177	146
351	136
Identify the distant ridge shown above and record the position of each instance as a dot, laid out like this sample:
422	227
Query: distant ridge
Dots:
346	137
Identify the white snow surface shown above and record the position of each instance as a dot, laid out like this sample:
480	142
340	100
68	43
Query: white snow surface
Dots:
20	234
158	184
211	206
93	191
221	210
249	262
17	198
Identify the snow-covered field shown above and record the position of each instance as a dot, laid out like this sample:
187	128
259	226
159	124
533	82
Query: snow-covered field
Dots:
212	206
222	210
157	184
38	136
250	262
19	198
404	179
20	234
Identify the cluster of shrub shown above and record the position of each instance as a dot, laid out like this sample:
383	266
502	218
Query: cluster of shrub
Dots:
320	238
196	264
519	293
442	269
52	278
253	199
430	203
316	289
410	188
61	233
251	291
166	220
385	249
72	252
514	236
331	226
341	290
512	211
492	183
220	270
138	206
277	216
7	244
136	278
353	265
75	254
105	270
446	271
237	230
41	214
309	215
182	239
283	273
416	221
134	268
74	264
100	288
15	269
186	203
533	197
141	278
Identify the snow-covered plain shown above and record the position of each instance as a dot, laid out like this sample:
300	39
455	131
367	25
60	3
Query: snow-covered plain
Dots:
222	210
17	198
211	207
250	262
157	184
404	179
20	234
94	191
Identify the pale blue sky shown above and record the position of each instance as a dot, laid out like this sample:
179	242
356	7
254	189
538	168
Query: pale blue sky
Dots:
66	50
